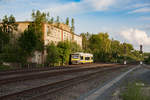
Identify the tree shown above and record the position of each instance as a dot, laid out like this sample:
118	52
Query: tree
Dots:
28	41
8	48
53	54
39	17
67	21
85	41
51	20
8	24
57	21
115	51
75	47
72	25
100	46
38	20
13	53
4	39
64	51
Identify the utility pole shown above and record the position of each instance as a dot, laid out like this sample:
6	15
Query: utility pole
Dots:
141	53
125	62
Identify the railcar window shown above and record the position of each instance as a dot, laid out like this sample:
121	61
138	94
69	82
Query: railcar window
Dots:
75	56
87	58
81	57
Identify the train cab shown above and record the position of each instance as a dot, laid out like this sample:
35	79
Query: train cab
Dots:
81	58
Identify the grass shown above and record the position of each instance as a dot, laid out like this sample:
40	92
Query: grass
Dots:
134	92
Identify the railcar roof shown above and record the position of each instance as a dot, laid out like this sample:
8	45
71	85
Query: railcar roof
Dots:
81	53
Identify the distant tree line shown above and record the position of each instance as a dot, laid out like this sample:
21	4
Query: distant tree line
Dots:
108	50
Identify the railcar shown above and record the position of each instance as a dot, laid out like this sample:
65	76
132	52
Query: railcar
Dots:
81	58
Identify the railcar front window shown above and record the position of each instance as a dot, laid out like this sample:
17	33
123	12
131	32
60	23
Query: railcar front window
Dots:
75	56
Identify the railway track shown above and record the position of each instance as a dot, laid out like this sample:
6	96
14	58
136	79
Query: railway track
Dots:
35	93
29	70
24	77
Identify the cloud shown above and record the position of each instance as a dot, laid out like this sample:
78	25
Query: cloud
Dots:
136	36
141	10
145	18
100	5
81	7
139	5
7	0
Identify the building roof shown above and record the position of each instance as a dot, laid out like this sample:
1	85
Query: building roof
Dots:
61	26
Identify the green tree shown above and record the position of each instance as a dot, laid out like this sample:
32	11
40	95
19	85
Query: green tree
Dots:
38	20
85	41
58	21
64	51
9	24
67	21
12	53
51	20
28	41
53	54
115	51
72	25
4	39
75	47
100	45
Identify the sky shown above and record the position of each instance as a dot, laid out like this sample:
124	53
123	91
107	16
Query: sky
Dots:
124	20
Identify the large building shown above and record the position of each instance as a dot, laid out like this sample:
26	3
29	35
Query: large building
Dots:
51	33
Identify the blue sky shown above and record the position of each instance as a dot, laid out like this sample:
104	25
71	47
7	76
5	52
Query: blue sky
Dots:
124	20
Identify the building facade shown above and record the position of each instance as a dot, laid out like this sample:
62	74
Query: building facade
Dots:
51	33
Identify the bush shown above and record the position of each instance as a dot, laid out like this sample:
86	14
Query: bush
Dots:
134	92
4	67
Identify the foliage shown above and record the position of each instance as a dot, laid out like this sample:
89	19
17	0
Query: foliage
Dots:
58	21
4	39
8	24
74	47
9	50
28	41
12	53
134	92
72	25
52	54
100	46
67	21
38	20
64	51
4	67
61	52
51	21
85	41
108	50
146	58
